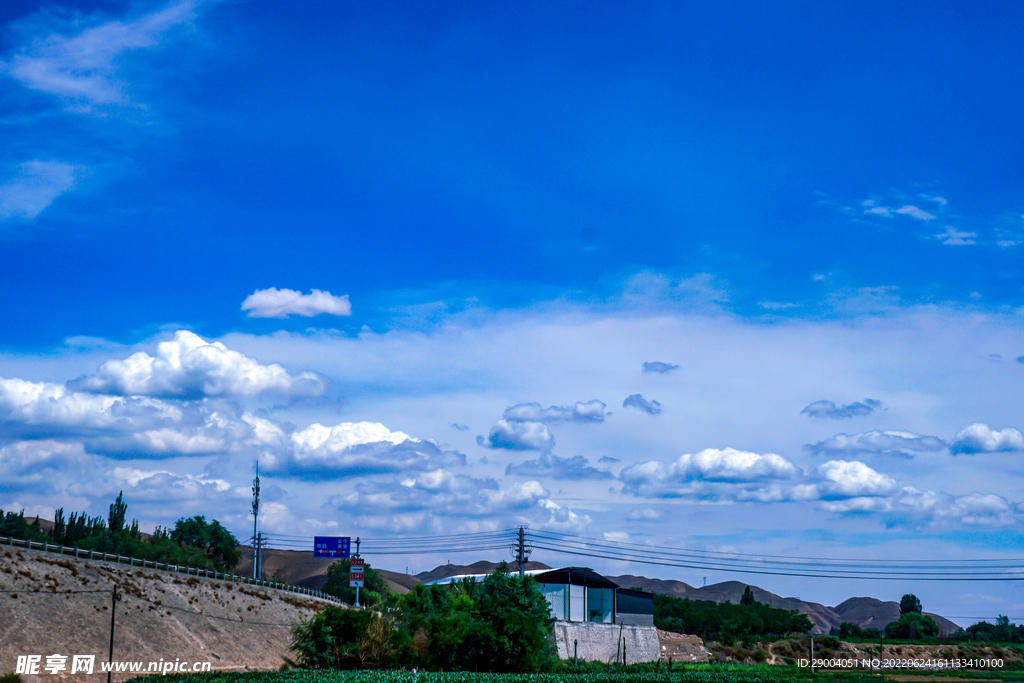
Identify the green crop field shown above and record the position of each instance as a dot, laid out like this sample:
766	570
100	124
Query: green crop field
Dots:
712	674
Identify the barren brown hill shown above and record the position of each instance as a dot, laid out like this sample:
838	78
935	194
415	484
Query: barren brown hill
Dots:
865	612
300	568
481	567
47	606
873	613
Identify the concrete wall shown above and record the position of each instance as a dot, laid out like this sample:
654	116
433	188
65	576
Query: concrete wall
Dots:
635	619
604	642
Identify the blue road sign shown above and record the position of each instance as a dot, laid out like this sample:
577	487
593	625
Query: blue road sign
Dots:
331	546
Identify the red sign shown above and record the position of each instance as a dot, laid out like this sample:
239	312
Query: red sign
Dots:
355	576
357	562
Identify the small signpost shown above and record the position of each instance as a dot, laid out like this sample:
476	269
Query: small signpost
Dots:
356	572
357	567
331	546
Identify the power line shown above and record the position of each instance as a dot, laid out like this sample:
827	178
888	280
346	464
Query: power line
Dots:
554	535
643	560
683	559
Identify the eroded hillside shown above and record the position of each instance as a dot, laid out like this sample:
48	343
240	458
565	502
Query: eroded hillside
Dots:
61	605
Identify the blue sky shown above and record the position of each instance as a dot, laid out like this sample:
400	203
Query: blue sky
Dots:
393	219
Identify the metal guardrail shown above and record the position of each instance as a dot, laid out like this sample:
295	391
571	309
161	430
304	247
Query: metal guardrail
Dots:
176	568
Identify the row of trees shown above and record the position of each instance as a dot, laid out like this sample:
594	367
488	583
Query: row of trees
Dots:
715	620
499	624
192	541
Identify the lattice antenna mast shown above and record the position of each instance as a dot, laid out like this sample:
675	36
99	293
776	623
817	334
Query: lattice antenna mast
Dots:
255	515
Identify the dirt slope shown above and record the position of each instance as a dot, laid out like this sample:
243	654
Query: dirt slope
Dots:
161	616
300	568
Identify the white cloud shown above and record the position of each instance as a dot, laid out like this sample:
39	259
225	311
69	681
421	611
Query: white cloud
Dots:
318	441
729	464
714	474
80	65
887	442
518	436
644	515
281	303
35	186
980	438
189	366
941	201
955	237
40	466
932	507
444	494
828	409
350	449
838	479
776	305
53	405
589	411
914	212
880	211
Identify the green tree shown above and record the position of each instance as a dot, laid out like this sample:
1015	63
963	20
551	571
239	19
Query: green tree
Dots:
510	633
374	588
912	625
195	532
748	597
118	509
910	604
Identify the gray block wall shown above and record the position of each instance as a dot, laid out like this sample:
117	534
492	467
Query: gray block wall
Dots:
604	642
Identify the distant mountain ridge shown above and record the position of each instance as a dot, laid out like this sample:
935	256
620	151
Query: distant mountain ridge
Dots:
302	569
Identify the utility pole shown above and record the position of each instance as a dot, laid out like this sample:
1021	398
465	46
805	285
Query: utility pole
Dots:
115	597
357	587
259	555
521	551
255	514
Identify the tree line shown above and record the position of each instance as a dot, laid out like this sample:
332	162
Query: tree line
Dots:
191	541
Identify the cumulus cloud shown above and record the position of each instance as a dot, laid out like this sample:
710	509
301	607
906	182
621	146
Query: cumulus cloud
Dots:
980	438
729	475
441	493
161	485
881	442
191	367
37	407
659	367
839	486
281	303
729	464
350	449
842	479
40	466
954	237
79	61
34	186
714	474
458	427
589	411
550	465
640	403
518	436
914	508
828	409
